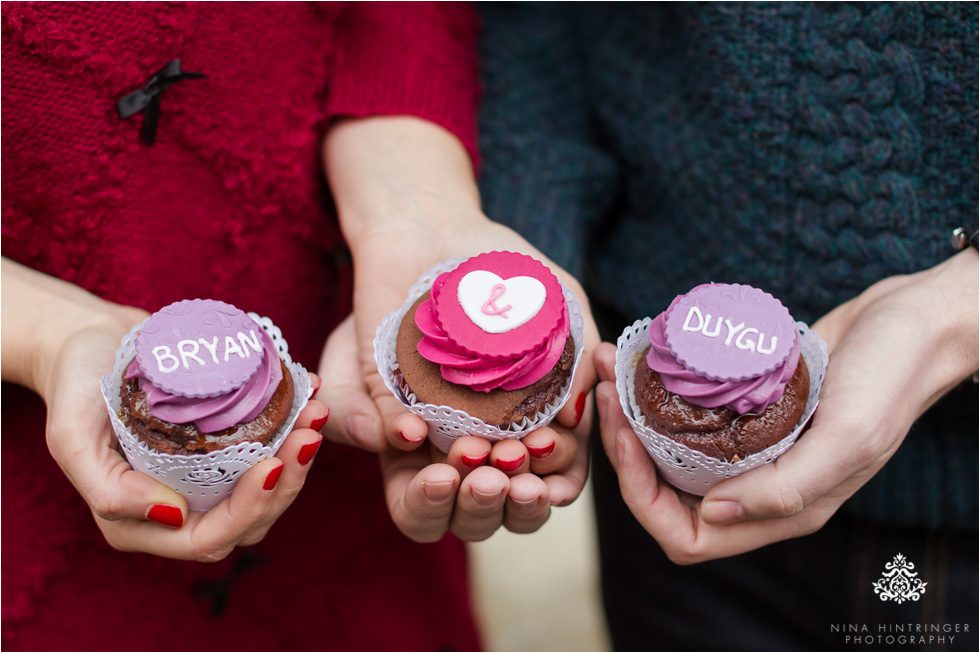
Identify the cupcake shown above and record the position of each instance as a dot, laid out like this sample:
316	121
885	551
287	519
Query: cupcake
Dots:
724	377
202	391
205	376
484	346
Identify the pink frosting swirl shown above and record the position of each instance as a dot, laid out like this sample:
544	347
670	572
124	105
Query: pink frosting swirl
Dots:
752	395
484	373
216	413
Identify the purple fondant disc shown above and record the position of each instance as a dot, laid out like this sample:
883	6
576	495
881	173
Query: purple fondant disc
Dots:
729	332
199	348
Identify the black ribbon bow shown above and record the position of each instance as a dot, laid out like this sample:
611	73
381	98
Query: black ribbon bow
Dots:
148	98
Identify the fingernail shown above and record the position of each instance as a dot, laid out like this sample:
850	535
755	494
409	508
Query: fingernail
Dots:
273	478
319	382
437	491
600	404
620	450
528	503
318	423
484	499
510	465
307	451
601	371
722	512
166	515
361	428
470	461
410	440
579	407
541	452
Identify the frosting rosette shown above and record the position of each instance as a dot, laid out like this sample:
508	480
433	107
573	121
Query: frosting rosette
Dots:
725	345
499	320
205	362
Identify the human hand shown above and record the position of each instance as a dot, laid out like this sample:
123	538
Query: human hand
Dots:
894	350
407	200
63	359
135	511
473	490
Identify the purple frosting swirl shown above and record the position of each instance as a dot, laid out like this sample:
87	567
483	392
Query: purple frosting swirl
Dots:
241	405
752	395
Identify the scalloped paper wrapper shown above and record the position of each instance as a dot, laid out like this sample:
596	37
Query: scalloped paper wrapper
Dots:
203	479
685	468
446	424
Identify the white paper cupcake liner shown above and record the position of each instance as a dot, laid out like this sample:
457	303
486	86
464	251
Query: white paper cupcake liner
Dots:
446	424
203	479
685	468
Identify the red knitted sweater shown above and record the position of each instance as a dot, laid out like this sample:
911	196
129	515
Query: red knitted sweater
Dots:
229	203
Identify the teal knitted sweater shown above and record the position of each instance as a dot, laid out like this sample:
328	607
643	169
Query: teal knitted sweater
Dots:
807	149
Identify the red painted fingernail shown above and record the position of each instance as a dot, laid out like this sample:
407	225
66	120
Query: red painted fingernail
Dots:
273	478
475	462
579	407
318	423
510	465
166	515
541	452
319	382
408	439
307	451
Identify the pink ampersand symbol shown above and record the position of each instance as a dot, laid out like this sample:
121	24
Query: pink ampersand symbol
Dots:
490	308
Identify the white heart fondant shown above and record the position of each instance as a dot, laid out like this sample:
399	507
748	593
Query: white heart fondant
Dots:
497	305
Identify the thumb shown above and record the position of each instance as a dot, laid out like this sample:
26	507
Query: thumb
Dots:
813	467
354	417
767	492
81	440
110	486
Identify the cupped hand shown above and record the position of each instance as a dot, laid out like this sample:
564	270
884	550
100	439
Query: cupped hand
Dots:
894	350
134	511
407	199
524	478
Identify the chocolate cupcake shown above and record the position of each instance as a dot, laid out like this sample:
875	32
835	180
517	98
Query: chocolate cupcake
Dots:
723	374
201	392
720	431
484	346
205	376
726	374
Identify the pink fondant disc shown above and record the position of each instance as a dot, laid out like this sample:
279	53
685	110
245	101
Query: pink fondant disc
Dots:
507	308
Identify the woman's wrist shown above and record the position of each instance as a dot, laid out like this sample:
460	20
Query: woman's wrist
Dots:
40	314
398	174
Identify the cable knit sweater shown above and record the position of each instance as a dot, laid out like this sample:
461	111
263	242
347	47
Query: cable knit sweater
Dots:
229	203
810	149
